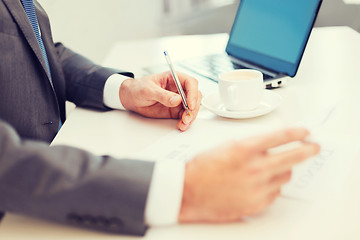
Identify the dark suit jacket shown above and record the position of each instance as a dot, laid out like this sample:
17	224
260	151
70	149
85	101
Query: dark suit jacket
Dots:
63	184
29	101
71	186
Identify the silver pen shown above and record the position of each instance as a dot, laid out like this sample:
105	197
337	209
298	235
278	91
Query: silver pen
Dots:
177	83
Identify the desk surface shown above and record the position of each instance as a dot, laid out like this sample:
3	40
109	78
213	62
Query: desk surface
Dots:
327	78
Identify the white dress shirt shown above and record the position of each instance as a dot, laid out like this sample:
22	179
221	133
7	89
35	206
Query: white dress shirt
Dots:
166	188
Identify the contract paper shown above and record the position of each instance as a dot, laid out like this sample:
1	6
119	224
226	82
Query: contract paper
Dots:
319	175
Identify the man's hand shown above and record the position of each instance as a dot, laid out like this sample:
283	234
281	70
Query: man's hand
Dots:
156	96
241	178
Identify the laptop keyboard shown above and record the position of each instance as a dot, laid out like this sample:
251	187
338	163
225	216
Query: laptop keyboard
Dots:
212	65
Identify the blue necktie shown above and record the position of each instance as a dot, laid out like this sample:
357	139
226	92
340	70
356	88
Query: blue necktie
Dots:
30	12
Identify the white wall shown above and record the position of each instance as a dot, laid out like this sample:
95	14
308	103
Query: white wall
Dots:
90	27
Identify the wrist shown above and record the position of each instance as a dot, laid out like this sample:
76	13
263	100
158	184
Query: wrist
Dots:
165	193
124	94
188	210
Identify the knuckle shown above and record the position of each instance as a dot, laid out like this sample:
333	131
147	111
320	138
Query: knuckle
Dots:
289	175
285	179
168	74
196	82
144	91
192	80
242	150
200	95
250	146
245	147
302	155
256	169
289	134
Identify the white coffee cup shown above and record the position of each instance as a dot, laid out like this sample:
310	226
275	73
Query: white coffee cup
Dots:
241	90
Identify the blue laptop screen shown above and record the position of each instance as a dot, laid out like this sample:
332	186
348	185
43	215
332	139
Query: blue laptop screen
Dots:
273	33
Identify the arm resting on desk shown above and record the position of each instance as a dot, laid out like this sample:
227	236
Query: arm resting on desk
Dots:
84	80
71	186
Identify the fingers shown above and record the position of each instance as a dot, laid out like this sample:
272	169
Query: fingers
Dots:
271	140
270	199
169	97
190	86
165	97
193	98
184	123
265	201
186	118
278	173
272	191
275	184
284	161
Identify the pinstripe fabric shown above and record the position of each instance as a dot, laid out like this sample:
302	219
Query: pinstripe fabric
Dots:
30	12
23	81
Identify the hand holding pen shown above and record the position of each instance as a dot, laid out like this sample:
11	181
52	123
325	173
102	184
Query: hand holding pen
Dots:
156	96
177	83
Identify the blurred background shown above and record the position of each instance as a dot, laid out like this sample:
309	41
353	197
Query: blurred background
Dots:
91	27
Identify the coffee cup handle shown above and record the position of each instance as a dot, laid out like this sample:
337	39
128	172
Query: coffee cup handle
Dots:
231	91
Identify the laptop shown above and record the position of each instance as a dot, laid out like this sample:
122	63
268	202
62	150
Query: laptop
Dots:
268	35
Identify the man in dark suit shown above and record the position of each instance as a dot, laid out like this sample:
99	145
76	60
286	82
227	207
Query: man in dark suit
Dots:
34	88
71	186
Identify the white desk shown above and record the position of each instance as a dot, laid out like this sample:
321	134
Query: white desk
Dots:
328	76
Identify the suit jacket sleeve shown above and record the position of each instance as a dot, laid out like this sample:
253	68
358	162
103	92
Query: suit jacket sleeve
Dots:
71	186
84	80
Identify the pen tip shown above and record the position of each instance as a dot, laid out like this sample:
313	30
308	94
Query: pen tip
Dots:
165	52
188	112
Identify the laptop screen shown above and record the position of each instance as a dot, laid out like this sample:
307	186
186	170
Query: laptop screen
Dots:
273	33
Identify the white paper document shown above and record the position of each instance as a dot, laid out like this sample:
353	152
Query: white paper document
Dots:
322	174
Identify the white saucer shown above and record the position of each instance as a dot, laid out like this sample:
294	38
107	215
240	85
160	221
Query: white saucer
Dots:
271	100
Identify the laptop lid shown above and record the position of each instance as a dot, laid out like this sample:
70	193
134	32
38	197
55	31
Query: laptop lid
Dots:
273	34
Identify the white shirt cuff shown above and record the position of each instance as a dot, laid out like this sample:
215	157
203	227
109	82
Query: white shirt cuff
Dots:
166	188
111	96
165	193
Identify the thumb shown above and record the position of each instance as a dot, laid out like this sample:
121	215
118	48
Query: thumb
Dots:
167	98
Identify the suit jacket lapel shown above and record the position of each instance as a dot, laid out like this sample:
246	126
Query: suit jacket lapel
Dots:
17	11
